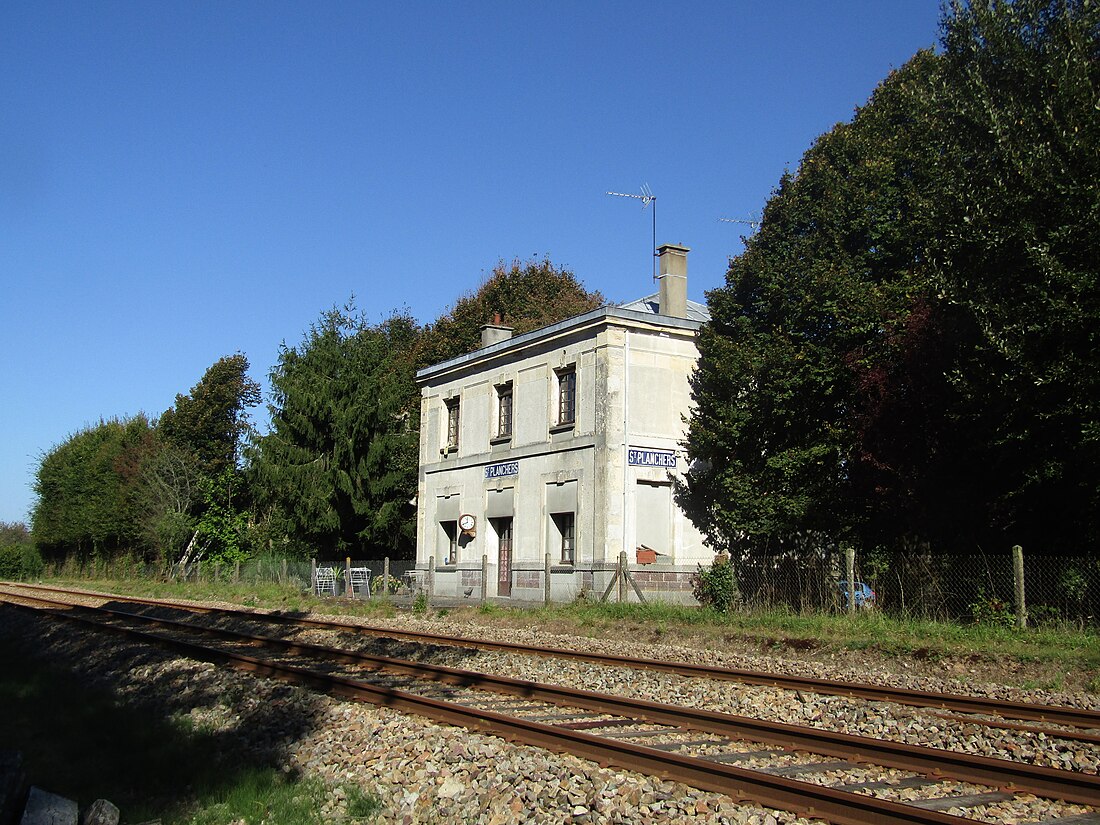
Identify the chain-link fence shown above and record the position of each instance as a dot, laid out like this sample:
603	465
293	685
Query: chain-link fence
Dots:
917	583
296	573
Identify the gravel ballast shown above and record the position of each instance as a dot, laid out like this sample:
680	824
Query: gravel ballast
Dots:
425	772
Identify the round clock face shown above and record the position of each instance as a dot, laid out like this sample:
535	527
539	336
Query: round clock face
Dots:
466	522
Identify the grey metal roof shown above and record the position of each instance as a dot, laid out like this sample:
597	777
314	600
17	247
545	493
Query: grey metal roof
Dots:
634	311
651	304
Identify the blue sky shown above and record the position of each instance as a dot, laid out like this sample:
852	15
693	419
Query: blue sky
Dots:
182	181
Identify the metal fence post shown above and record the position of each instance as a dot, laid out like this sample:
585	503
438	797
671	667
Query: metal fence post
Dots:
850	563
546	581
386	577
484	577
1018	576
431	579
622	576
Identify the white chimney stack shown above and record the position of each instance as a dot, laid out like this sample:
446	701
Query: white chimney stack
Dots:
495	332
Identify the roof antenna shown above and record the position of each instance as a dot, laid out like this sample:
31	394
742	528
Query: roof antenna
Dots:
647	197
753	225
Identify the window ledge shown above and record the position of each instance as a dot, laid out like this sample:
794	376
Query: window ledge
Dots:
562	428
501	439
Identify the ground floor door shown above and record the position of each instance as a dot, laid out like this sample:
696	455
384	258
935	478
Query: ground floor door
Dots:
503	527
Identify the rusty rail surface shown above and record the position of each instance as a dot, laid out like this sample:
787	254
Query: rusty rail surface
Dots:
840	807
1051	714
1013	776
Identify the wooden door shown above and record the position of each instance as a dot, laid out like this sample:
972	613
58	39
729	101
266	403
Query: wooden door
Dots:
504	556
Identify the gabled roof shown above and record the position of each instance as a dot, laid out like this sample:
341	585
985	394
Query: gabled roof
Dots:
651	303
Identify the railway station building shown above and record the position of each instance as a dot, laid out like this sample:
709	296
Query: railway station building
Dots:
563	441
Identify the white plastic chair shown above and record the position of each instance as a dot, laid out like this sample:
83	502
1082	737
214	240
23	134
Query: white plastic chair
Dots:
325	585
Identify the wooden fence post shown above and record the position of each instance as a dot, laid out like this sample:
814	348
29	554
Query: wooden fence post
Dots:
313	575
431	579
546	581
237	572
1018	576
282	579
349	591
622	576
386	577
484	577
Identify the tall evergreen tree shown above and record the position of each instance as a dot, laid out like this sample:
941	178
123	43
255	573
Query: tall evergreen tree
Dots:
340	461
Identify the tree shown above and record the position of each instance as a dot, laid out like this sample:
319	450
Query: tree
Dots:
908	349
205	429
824	285
84	502
211	422
1019	255
526	295
340	461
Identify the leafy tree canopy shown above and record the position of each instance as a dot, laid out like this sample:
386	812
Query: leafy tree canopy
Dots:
526	295
908	345
211	421
84	503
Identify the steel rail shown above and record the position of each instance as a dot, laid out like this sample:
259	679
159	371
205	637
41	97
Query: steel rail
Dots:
941	764
840	807
1051	714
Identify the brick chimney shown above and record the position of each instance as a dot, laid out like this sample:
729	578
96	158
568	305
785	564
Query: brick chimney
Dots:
495	332
673	276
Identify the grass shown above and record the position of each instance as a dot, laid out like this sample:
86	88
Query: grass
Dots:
82	742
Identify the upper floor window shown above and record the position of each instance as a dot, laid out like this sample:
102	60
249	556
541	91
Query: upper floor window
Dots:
452	423
504	410
567	395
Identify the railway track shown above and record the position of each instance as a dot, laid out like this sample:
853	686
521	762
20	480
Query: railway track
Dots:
1087	721
832	776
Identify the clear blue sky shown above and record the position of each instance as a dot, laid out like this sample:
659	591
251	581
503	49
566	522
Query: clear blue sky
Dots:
182	181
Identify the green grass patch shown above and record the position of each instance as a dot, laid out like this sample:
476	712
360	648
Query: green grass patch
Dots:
262	797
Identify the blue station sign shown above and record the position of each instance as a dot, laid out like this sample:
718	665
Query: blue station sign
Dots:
651	458
502	470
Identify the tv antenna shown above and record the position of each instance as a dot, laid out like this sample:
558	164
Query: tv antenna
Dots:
753	225
647	197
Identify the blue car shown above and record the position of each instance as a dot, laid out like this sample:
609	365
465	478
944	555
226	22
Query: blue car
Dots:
865	596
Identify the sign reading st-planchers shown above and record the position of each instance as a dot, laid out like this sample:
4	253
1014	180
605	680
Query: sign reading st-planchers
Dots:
506	468
651	458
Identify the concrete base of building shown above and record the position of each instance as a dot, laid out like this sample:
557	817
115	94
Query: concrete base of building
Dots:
668	583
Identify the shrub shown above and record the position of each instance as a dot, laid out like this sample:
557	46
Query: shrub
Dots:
20	561
716	586
991	610
378	583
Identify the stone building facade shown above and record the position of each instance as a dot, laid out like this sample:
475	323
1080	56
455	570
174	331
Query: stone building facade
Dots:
563	441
